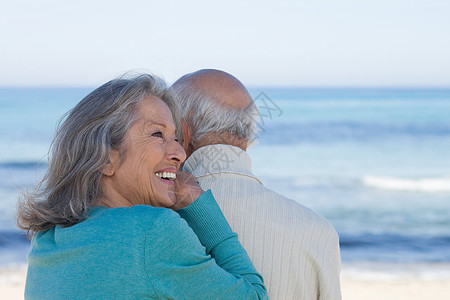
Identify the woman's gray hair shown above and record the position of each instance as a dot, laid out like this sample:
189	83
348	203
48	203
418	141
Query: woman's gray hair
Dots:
82	146
205	116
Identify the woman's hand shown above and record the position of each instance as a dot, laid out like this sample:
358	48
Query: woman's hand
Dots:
186	190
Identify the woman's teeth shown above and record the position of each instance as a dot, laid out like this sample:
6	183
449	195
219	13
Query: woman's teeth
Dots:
166	175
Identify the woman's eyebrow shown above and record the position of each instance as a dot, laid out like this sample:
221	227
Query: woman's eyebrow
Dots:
153	123
150	122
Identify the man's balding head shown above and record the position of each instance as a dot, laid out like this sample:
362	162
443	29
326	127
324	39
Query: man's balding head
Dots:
218	86
217	109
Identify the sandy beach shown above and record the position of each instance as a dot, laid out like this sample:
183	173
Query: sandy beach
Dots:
12	283
410	289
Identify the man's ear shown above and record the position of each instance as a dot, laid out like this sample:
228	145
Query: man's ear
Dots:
110	168
186	135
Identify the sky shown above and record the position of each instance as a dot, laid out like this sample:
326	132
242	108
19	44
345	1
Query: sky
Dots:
303	43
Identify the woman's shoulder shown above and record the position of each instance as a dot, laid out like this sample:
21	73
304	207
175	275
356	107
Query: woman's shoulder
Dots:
140	215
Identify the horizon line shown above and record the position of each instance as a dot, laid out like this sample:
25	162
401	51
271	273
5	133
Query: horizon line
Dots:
254	87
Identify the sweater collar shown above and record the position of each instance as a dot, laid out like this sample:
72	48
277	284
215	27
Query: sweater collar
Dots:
216	159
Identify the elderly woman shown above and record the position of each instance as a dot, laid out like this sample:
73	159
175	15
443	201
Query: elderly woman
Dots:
114	218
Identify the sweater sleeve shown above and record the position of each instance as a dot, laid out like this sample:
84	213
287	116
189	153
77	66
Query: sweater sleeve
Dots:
199	257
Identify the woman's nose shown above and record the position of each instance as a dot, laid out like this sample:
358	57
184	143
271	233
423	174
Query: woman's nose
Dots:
176	152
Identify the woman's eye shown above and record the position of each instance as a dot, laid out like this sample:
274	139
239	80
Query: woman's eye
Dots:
158	134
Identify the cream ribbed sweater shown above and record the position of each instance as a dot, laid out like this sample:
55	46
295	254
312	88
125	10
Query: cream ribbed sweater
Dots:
295	249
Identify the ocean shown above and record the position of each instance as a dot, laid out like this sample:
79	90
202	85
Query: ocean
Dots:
374	162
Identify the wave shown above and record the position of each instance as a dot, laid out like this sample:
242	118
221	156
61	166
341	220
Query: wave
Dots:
14	246
394	247
22	164
13	238
417	242
293	132
406	184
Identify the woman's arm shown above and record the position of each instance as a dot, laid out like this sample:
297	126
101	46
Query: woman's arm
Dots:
199	257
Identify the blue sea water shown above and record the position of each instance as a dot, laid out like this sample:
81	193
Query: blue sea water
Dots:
374	162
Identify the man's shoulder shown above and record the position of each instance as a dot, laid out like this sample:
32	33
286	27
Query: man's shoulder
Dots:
301	215
236	193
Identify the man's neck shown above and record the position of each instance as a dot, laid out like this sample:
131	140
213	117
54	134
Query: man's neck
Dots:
222	138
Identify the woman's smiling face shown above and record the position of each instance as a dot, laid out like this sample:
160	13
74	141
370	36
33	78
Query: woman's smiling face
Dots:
152	157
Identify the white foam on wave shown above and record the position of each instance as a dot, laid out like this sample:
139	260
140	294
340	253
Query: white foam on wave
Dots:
385	271
405	184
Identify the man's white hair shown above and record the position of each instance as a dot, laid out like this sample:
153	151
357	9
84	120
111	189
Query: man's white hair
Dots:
205	116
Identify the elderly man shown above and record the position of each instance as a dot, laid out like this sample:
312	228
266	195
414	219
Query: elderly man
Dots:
295	249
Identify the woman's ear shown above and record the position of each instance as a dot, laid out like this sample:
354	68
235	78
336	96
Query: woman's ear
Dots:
110	168
186	135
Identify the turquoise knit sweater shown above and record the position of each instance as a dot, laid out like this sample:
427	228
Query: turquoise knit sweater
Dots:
143	252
